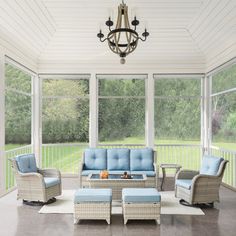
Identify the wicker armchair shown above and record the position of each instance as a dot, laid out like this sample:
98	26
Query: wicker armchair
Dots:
201	187
34	184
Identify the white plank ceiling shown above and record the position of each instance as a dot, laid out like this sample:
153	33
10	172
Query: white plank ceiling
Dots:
60	35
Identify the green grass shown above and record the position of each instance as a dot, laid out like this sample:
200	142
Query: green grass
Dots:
67	158
13	146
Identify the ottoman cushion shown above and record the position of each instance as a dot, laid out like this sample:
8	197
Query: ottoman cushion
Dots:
140	195
93	195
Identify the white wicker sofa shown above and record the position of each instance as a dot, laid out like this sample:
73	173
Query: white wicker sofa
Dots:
117	161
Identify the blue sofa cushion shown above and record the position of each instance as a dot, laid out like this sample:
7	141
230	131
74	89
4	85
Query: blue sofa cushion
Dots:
148	173
93	195
140	195
50	182
141	159
210	165
95	159
185	183
26	163
87	172
118	159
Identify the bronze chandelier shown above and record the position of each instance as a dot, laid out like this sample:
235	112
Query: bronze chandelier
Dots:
122	40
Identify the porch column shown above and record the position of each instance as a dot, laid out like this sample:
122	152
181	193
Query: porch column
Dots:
36	133
206	126
93	111
149	121
2	124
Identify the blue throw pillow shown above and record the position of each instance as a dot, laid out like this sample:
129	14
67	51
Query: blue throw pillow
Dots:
141	159
210	165
118	159
95	159
26	163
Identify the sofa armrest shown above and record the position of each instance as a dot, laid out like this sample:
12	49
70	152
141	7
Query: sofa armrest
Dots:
186	174
30	174
24	179
204	178
81	166
50	172
156	169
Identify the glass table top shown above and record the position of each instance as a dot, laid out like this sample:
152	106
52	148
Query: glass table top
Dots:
117	177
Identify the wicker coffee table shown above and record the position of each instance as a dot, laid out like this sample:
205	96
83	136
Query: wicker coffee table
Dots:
116	183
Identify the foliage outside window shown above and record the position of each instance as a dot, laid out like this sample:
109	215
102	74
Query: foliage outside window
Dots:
17	107
177	110
65	110
121	110
224	108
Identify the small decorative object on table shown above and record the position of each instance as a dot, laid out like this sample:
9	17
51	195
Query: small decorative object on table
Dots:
104	174
126	176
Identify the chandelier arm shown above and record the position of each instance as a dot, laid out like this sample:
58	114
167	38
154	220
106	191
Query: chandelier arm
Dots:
142	39
103	40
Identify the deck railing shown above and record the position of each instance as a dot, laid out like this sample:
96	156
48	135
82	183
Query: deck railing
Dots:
65	157
121	145
186	155
10	180
230	172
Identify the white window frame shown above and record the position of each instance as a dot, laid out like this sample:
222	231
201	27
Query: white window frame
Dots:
147	123
197	76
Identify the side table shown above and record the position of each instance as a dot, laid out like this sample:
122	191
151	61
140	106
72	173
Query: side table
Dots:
168	166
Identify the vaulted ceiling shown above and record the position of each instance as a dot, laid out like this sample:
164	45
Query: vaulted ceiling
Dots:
198	34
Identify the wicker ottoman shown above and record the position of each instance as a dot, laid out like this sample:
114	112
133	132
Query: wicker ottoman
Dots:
141	204
92	204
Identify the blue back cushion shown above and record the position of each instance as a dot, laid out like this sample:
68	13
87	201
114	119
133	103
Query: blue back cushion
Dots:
26	163
118	159
141	159
95	159
210	165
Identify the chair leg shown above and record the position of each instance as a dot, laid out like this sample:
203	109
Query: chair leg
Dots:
76	221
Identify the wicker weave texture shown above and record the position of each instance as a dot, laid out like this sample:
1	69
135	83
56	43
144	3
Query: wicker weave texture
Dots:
204	189
31	186
93	211
117	185
141	211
